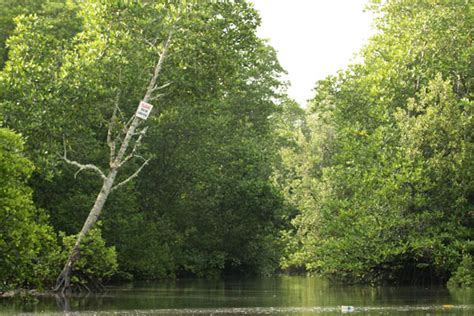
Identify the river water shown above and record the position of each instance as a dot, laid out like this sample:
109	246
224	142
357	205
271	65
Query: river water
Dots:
286	295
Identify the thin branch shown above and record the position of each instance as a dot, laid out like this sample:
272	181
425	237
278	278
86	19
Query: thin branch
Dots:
158	67
135	147
152	43
138	133
125	129
141	157
82	166
162	86
156	97
134	175
112	143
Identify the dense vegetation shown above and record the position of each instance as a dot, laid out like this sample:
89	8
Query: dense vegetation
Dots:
372	182
383	177
204	205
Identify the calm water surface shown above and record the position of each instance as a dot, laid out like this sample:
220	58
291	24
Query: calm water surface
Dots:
268	296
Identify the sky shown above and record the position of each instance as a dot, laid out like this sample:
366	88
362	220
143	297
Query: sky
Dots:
313	38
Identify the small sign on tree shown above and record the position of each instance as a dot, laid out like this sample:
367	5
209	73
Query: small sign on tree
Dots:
143	110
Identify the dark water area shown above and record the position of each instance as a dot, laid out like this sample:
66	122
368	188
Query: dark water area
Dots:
266	296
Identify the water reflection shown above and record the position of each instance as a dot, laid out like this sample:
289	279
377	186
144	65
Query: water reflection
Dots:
280	296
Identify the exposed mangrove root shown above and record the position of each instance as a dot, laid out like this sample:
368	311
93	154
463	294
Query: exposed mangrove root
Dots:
63	282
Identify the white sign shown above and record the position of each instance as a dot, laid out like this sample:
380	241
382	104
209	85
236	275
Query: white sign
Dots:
143	110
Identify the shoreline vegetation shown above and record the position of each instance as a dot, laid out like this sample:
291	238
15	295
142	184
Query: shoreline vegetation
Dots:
372	183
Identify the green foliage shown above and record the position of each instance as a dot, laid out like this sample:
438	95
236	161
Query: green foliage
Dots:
384	179
9	10
205	205
464	274
374	182
207	196
97	262
144	245
27	243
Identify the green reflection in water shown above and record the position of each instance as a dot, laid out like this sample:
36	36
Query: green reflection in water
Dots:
279	296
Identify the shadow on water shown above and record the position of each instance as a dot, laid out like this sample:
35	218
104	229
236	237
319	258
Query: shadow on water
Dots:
277	296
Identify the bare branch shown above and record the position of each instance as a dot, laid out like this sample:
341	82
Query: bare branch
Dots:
125	127
82	166
134	175
152	43
162	86
139	132
149	42
158	67
112	143
140	157
156	96
135	147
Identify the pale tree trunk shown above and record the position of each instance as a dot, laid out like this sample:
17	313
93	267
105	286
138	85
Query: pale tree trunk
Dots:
64	280
117	160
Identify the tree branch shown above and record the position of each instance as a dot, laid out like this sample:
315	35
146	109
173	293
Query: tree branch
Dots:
135	147
124	130
159	65
82	166
156	97
162	86
151	43
134	175
112	143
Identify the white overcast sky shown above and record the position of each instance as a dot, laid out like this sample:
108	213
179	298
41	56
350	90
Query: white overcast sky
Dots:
313	38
